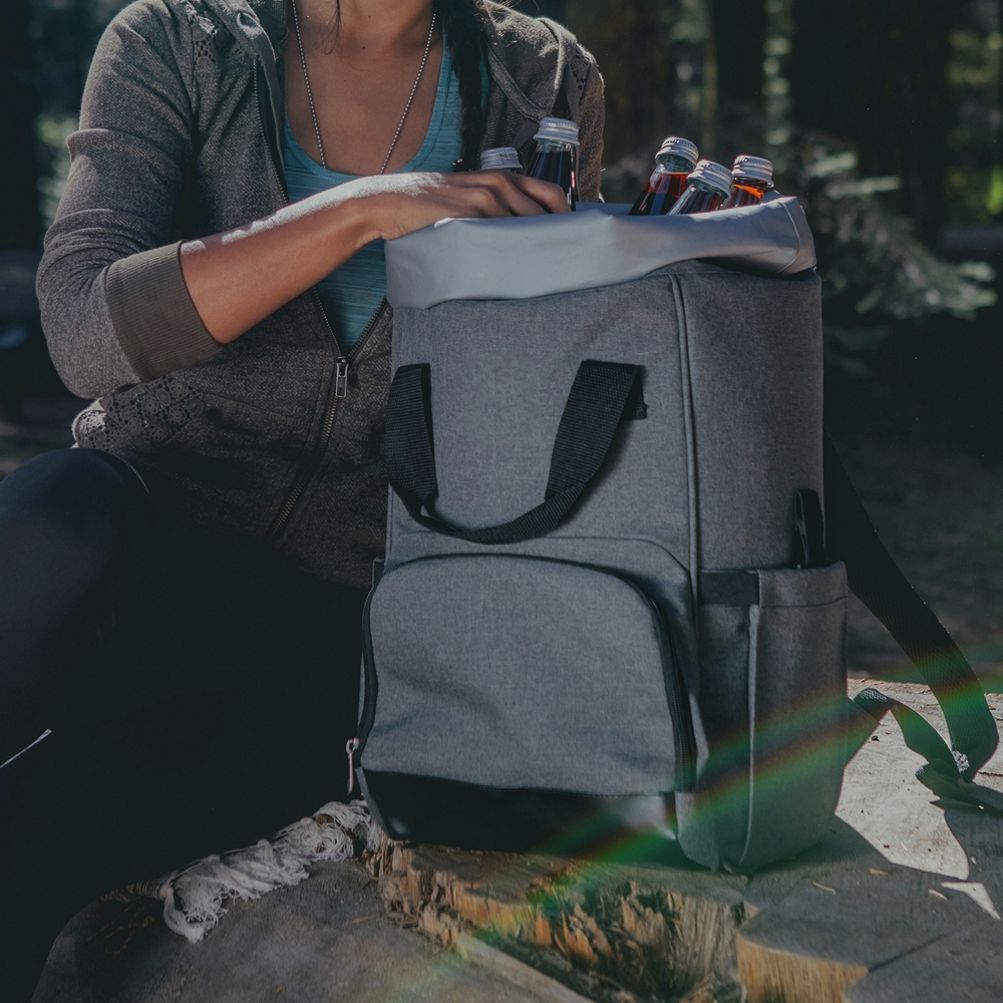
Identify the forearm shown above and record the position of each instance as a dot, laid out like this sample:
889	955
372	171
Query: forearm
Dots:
237	278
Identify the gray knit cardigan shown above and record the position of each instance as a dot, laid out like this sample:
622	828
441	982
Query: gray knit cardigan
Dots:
271	436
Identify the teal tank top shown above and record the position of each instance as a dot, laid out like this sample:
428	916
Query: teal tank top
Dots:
352	294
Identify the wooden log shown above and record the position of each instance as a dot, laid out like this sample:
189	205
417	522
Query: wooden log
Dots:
655	933
895	877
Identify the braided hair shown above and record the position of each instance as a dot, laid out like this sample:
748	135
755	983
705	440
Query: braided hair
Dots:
462	24
463	28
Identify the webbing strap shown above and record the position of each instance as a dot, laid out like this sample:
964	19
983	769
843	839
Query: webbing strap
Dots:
942	773
877	580
603	395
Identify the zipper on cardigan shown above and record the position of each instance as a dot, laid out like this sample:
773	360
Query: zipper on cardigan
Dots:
342	364
342	369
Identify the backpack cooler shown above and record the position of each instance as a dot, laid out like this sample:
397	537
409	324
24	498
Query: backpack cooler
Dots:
613	605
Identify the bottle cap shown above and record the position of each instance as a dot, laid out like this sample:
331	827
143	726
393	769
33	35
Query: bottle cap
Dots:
713	175
501	158
557	130
753	168
676	146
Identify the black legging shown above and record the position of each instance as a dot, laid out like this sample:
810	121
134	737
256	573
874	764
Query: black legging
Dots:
199	690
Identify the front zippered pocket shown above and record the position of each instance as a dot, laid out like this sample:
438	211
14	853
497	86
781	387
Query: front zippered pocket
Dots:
507	671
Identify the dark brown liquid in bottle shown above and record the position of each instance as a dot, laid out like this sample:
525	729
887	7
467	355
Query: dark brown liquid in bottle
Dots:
745	192
693	200
661	194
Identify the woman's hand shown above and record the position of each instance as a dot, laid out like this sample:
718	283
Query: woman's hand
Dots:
397	204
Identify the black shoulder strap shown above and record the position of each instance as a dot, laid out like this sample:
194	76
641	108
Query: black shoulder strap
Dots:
877	580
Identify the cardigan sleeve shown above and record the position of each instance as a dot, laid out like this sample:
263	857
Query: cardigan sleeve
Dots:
115	307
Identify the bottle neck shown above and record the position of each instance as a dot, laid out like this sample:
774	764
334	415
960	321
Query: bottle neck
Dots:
703	186
553	146
671	164
753	185
698	198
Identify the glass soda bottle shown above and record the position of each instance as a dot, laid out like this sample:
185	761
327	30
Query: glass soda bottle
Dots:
751	179
673	163
501	158
709	185
556	156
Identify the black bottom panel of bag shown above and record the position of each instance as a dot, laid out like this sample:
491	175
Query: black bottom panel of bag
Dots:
449	813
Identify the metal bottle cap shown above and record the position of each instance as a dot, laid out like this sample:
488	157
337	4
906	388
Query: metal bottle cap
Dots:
713	175
557	130
501	158
753	168
676	146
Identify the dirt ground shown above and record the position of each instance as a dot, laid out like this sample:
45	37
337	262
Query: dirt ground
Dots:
939	512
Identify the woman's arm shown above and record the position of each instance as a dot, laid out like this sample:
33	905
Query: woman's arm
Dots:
113	231
122	299
236	279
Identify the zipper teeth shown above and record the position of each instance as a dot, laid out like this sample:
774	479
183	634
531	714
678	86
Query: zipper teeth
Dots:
368	329
682	726
326	428
327	425
368	716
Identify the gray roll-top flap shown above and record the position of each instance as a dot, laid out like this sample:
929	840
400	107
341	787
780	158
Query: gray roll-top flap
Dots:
529	256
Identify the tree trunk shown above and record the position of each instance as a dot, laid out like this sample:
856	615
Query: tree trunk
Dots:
18	111
862	72
739	29
630	44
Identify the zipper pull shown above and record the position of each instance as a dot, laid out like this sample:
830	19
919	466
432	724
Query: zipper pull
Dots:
341	378
351	747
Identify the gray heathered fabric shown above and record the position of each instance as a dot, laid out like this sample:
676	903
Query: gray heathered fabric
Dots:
797	697
776	727
490	259
467	655
171	146
732	384
754	357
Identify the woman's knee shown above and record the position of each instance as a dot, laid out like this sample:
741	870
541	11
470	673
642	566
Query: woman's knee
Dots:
67	513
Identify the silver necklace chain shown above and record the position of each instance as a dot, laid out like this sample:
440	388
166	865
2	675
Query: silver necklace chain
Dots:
407	105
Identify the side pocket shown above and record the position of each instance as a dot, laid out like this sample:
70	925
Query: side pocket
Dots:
774	673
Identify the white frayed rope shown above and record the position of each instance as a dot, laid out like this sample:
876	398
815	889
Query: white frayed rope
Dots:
198	897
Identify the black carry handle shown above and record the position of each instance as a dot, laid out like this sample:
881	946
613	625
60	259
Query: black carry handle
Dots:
877	580
602	396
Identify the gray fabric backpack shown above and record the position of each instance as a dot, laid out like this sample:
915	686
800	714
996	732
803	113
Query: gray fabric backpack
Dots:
613	603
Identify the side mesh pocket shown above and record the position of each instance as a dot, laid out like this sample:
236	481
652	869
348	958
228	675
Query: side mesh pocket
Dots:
773	675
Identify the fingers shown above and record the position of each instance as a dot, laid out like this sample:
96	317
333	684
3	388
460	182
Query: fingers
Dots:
516	202
421	199
544	193
523	196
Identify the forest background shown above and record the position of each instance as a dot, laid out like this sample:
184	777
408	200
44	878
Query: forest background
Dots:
885	116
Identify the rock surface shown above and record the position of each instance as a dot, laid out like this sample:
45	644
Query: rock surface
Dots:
901	901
